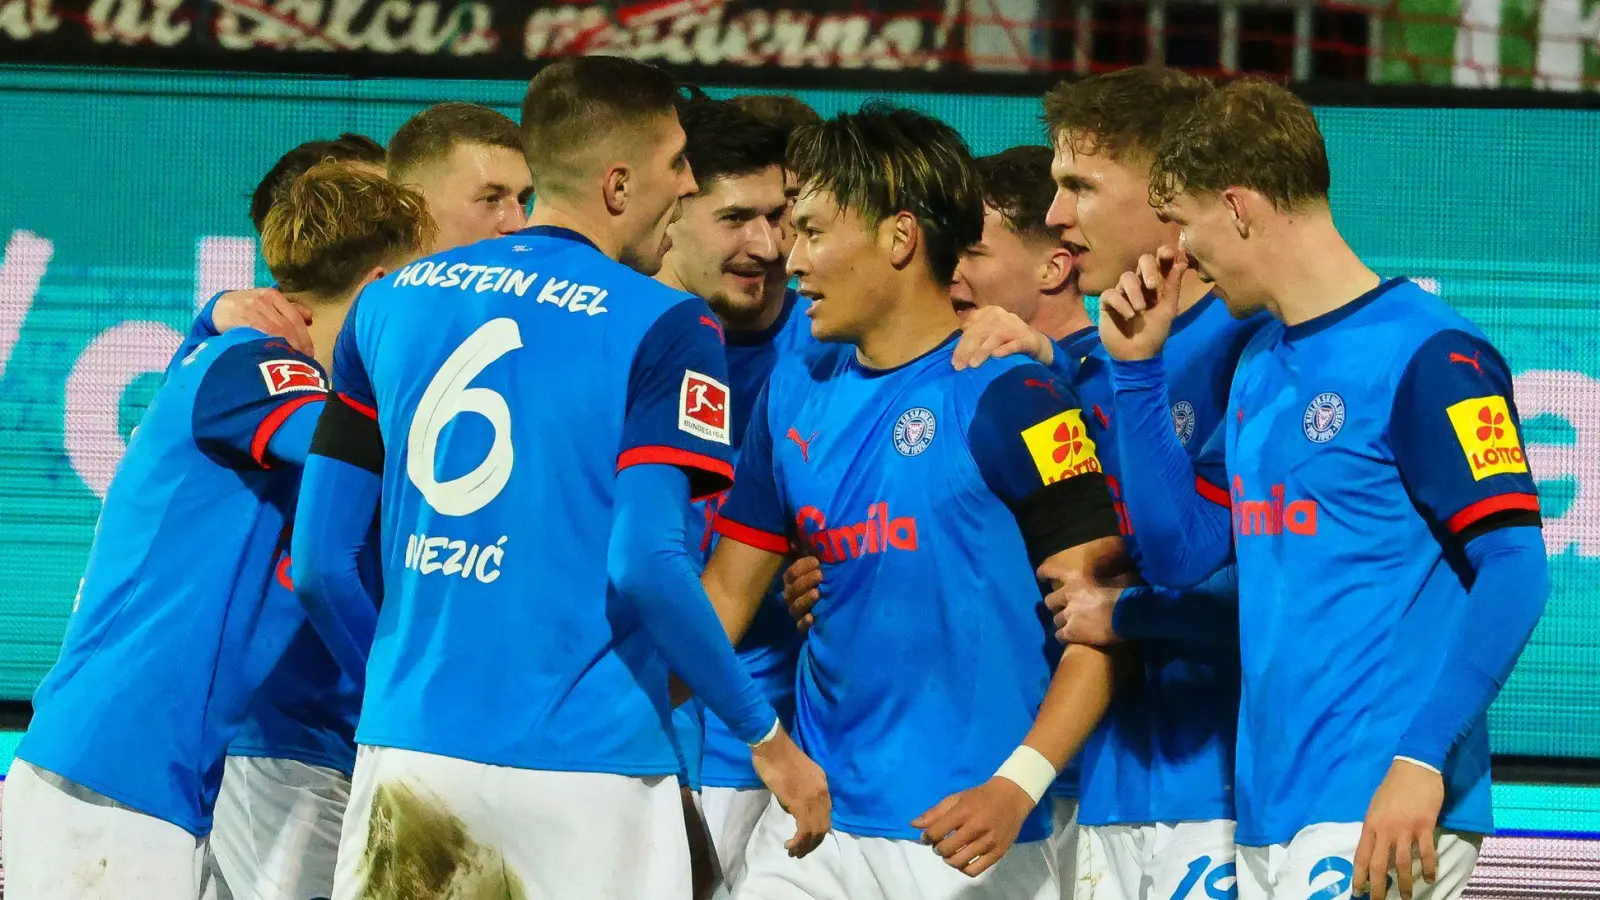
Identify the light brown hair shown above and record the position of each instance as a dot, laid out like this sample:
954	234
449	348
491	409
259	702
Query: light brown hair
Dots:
434	133
785	111
1251	134
1120	114
335	223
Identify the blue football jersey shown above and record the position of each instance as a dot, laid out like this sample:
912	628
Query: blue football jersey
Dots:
1360	447
925	667
511	379
1164	752
176	621
771	646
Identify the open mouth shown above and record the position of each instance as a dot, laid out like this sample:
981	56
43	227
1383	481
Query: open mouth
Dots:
1075	249
962	306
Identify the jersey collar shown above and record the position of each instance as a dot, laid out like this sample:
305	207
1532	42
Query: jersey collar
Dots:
1333	317
556	231
1188	316
945	345
738	338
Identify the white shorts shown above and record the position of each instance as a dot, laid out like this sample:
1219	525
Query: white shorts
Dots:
65	842
731	815
1064	841
847	867
276	829
421	825
1164	861
1320	863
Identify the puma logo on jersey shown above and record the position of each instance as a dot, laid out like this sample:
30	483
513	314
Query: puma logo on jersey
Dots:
1041	383
804	443
1467	361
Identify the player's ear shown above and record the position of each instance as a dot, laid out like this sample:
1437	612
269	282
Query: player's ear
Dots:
374	274
902	234
1055	270
1237	202
614	186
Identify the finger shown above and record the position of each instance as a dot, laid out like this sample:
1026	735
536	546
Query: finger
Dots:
1116	303
938	811
805	624
954	846
800	606
805	565
1132	284
1369	839
1378	866
1402	866
1149	272
983	862
1430	857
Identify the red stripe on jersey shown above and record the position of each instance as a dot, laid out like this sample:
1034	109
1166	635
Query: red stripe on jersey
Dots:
359	407
683	459
274	420
1481	510
754	537
1213	493
284	577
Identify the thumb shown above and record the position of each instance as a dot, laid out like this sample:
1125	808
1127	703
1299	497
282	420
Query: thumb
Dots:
303	310
944	806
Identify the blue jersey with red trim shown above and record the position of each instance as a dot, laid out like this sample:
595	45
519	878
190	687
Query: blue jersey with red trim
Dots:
511	379
175	624
1164	751
1359	446
927	662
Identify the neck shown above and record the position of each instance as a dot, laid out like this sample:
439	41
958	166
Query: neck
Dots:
327	317
1060	314
1313	271
920	322
771	308
555	212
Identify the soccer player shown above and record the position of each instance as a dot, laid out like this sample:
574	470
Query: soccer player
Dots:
113	786
1158	774
538	582
931	496
467	161
727	246
1385	523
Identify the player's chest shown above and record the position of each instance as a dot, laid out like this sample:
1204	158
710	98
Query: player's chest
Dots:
1295	414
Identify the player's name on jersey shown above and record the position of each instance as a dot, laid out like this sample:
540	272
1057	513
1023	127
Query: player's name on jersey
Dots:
430	554
568	295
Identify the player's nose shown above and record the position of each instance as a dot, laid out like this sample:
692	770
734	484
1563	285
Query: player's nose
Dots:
1063	212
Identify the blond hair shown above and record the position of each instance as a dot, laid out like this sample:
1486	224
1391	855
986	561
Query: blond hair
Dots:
336	223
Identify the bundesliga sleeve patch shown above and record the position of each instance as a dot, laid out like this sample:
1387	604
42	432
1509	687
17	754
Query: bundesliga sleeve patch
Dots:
285	375
703	407
1061	447
1488	437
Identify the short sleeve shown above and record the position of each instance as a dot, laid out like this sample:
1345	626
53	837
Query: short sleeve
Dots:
1028	436
678	400
246	394
753	512
350	377
1457	439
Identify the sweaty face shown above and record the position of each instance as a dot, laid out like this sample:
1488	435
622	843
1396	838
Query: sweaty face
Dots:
1103	207
1000	270
727	244
1207	231
841	265
658	179
476	193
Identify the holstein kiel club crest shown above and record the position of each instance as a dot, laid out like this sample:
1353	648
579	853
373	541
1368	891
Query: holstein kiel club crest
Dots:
913	432
1324	417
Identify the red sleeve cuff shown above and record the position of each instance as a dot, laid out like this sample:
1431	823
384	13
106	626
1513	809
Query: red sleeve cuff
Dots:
269	426
1213	493
754	537
1481	510
721	471
359	407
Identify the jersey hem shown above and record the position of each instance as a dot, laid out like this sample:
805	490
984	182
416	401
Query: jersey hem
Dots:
1464	825
1028	834
322	761
197	827
683	459
641	770
749	536
1488	506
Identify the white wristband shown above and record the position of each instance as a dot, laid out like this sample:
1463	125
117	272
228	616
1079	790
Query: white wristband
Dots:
771	733
1028	769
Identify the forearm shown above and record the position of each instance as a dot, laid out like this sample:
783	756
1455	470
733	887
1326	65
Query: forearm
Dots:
1507	598
1077	698
334	516
1207	612
649	563
1182	536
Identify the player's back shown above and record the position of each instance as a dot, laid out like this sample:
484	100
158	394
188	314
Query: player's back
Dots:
501	377
1344	582
170	634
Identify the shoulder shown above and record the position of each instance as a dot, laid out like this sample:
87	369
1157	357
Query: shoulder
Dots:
1014	387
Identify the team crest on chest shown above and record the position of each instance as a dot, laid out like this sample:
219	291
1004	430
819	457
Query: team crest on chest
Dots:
913	431
1183	420
1324	417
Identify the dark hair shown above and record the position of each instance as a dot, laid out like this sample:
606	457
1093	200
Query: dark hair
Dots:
724	140
1120	113
786	111
347	147
885	160
437	131
575	101
335	223
1250	133
1017	183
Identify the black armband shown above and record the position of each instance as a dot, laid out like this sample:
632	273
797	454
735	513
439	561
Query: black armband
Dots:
1064	514
348	435
1508	518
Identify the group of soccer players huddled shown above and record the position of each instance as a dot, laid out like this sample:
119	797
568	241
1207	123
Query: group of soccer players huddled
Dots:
763	516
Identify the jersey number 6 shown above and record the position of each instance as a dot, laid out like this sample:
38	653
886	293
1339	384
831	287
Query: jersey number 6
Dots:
448	396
